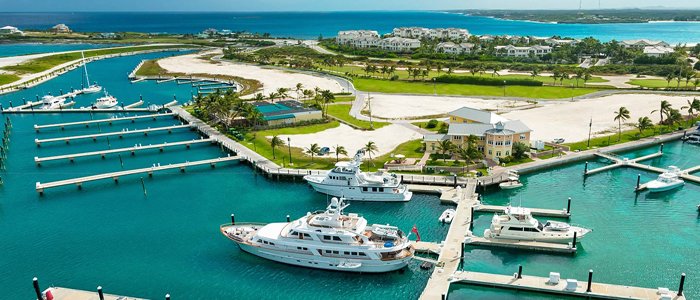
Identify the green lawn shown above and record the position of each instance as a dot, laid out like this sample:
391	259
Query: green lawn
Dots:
8	78
47	62
342	111
658	83
519	161
627	136
538	92
342	99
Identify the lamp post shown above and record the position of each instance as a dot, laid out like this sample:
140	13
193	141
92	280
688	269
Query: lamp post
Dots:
504	88
589	133
289	147
434	88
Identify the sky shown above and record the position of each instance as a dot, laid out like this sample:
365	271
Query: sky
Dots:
322	5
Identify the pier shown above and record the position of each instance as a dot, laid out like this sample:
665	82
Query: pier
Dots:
109	121
120	134
521	245
554	213
567	287
103	153
61	293
40	187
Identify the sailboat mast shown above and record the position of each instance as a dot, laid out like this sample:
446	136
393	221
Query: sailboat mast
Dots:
87	78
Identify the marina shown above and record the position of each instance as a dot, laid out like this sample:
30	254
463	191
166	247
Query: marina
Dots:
109	121
120	134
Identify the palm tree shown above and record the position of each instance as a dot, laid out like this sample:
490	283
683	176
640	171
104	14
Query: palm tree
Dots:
586	77
663	109
259	97
445	146
338	151
669	77
535	71
327	97
298	88
313	150
644	123
274	143
282	92
272	96
622	114
692	107
371	148
308	93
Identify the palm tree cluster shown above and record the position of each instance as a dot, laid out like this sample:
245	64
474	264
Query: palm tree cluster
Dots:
385	70
227	108
469	152
667	114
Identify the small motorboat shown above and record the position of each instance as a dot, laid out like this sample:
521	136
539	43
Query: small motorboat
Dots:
513	181
447	216
108	101
666	181
51	102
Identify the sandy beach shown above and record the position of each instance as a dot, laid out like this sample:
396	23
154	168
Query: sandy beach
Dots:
414	106
271	79
386	138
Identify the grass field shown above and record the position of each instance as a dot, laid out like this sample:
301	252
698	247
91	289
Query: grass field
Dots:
8	78
534	92
658	83
628	136
47	62
342	111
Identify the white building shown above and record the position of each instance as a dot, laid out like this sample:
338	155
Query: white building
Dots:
358	38
456	49
61	28
399	44
514	51
449	33
560	42
9	30
411	32
640	44
657	51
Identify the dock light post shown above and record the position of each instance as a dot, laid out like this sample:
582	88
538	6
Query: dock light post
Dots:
590	126
639	178
99	293
434	88
680	287
37	290
585	169
288	219
471	220
661	149
289	147
590	281
568	206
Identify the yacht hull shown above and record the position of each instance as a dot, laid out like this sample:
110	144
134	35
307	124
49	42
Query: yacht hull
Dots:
664	187
355	193
326	263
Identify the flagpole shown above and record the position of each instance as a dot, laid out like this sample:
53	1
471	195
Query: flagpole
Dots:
589	133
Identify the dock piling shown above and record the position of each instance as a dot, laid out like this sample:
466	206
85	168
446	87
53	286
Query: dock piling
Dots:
680	287
99	293
639	179
574	243
288	219
520	272
167	296
37	290
568	206
590	280
233	219
143	186
585	170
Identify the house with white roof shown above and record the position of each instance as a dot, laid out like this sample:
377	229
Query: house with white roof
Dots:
455	49
525	51
358	38
641	43
449	33
657	51
496	134
61	28
411	32
10	30
399	44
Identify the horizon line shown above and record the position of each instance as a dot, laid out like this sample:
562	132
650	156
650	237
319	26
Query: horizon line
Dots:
357	10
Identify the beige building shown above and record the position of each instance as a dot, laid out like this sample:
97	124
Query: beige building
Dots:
496	135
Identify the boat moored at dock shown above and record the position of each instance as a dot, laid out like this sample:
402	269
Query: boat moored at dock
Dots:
666	181
517	223
327	240
108	101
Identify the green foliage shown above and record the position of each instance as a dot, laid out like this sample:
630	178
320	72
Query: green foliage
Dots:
432	124
520	150
479	80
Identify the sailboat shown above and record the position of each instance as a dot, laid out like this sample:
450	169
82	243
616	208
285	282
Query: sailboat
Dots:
91	88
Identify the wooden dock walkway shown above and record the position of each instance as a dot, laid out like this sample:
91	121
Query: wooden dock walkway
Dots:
61	293
539	284
103	153
555	213
40	187
108	120
120	134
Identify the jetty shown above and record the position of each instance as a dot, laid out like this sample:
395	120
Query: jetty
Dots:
566	287
554	213
120	134
521	245
61	293
103	153
40	187
108	120
125	109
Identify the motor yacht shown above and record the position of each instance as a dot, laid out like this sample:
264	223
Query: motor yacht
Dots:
51	102
666	181
108	101
517	223
512	182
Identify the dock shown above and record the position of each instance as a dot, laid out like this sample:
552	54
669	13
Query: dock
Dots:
521	245
427	247
582	289
120	134
109	121
40	187
61	293
79	110
554	213
103	153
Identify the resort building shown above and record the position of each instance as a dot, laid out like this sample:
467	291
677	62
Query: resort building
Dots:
399	44
526	51
9	30
496	135
286	112
456	49
640	44
487	38
411	32
61	28
559	42
358	38
657	51
434	33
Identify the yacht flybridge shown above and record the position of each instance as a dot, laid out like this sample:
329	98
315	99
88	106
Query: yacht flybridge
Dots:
517	223
666	181
348	181
326	240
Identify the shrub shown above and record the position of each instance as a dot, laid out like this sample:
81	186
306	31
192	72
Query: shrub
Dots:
396	77
505	160
486	80
432	124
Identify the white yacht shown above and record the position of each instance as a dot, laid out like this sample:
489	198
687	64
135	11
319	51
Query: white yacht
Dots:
517	223
327	240
108	101
51	102
348	181
91	88
513	181
666	181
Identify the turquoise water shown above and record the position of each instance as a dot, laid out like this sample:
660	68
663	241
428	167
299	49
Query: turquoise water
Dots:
309	25
32	48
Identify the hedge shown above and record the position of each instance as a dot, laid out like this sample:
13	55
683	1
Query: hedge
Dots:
486	80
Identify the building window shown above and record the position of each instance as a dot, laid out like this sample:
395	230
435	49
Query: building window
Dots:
498	153
508	143
490	152
522	136
507	153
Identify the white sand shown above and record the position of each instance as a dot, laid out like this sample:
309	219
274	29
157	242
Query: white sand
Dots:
386	138
271	79
411	106
569	120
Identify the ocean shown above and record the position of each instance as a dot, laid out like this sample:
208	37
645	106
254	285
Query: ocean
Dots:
309	25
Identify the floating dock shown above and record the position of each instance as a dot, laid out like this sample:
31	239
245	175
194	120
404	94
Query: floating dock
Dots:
40	187
554	213
120	134
619	161
109	121
581	289
61	293
427	247
103	153
521	245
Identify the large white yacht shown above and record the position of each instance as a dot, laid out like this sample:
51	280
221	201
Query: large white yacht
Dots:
517	223
51	102
108	101
348	181
326	240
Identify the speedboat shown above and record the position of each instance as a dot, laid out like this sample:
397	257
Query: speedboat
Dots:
51	102
447	216
327	240
517	223
512	182
108	101
348	181
666	181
